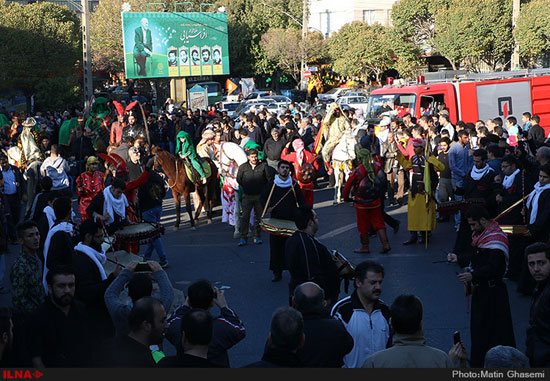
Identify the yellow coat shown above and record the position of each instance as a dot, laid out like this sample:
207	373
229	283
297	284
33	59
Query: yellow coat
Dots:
421	217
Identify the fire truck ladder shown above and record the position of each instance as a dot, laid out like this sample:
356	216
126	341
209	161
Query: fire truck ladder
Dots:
522	73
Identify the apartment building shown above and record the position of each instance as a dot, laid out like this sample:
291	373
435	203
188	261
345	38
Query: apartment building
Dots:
328	16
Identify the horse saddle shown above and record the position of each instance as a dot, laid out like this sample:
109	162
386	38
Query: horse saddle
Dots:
192	172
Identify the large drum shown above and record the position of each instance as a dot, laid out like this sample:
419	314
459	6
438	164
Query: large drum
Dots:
453	207
514	229
276	226
141	233
306	173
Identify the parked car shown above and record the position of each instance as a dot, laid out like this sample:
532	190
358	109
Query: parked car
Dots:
258	94
332	94
230	107
355	102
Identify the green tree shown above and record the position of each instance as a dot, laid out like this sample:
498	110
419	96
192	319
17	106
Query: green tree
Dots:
414	21
532	31
287	48
408	59
362	49
40	42
248	21
475	33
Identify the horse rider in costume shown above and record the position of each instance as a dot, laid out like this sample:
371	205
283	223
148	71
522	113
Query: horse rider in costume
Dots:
99	124
421	205
334	125
186	150
31	157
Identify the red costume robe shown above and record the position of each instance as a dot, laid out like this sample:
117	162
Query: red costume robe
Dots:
369	214
307	189
88	185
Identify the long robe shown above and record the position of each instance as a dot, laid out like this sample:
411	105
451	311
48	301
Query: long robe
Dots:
490	319
284	202
421	216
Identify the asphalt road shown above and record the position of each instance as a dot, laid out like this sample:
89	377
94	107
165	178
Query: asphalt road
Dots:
211	252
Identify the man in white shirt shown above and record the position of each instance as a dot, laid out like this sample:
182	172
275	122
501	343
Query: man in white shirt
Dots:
446	124
57	168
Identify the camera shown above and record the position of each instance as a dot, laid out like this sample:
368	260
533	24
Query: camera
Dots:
143	267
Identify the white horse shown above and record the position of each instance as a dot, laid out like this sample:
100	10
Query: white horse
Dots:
231	156
342	162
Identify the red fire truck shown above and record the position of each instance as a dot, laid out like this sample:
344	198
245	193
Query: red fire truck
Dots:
468	97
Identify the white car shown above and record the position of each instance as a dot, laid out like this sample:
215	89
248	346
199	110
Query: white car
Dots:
332	94
230	107
355	102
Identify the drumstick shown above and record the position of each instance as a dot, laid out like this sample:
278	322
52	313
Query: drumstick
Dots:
107	235
510	208
116	263
268	200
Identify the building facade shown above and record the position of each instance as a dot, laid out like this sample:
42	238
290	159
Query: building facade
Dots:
328	16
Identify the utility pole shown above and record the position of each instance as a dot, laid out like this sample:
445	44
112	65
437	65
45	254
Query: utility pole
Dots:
515	54
305	22
86	56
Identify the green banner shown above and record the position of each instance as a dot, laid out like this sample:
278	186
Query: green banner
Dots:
182	44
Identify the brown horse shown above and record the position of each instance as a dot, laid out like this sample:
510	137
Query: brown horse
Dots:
174	168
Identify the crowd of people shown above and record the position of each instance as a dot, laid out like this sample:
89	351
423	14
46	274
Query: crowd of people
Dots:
491	180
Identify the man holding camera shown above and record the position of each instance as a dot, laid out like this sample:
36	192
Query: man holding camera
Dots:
490	319
228	329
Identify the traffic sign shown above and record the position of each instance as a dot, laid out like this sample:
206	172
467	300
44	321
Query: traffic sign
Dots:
307	74
312	68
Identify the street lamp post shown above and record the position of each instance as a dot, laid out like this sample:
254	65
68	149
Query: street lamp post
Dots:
515	54
305	21
86	57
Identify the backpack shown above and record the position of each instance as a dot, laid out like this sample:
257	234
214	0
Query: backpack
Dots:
367	190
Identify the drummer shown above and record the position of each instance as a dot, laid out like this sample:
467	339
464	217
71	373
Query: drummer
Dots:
109	206
282	197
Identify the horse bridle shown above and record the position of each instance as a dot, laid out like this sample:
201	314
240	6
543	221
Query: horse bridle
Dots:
156	165
224	172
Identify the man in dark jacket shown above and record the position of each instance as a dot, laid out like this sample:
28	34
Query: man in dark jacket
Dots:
59	245
536	132
479	183
308	260
490	317
252	177
150	197
228	329
61	332
273	147
83	148
196	335
327	341
148	324
91	280
285	338
538	333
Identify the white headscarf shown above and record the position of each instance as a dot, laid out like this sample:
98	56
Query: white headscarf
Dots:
62	226
98	258
114	205
477	174
509	180
50	215
533	200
